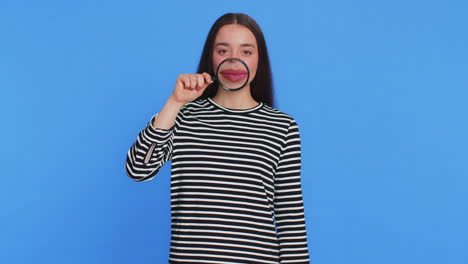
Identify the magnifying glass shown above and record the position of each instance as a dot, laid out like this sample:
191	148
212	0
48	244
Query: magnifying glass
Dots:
232	74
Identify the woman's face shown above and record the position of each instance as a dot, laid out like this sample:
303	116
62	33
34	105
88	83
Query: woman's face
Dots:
236	41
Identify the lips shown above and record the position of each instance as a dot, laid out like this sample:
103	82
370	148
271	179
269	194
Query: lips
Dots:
234	75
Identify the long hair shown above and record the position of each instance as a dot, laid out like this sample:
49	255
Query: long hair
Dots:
261	86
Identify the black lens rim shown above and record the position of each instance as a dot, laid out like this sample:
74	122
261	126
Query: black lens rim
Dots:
228	88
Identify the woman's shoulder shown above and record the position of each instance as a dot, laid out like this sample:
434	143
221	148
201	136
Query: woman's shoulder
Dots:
276	113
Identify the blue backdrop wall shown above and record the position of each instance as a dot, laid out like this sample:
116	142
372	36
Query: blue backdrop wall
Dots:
379	89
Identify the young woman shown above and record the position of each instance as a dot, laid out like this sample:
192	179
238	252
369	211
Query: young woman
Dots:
236	192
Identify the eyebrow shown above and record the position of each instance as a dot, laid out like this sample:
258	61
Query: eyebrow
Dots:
242	45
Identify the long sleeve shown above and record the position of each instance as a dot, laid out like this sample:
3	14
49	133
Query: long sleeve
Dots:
152	148
289	207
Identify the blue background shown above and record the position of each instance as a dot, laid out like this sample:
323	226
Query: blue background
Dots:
379	89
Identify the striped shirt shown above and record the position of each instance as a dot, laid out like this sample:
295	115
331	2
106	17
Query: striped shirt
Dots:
236	192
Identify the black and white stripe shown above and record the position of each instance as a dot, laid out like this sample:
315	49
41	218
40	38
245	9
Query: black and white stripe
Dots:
236	192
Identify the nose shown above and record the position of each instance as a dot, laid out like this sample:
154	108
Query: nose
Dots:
236	54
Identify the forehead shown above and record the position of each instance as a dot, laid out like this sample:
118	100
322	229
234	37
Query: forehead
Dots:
235	34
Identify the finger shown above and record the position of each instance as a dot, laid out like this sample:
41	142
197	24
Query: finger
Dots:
182	79
186	81
193	81
207	77
180	84
200	81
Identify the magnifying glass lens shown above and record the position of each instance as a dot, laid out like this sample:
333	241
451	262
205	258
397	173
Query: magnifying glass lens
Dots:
232	74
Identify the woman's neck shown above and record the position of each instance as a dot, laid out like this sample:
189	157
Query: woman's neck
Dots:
240	99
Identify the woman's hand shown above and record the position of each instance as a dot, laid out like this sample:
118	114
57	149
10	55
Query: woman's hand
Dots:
189	87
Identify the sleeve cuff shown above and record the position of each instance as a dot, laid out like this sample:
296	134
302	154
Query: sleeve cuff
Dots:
157	135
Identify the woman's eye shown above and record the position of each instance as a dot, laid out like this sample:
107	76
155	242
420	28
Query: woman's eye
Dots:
222	51
247	52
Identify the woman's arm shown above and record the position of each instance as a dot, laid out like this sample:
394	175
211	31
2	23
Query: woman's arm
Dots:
188	87
153	146
289	206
